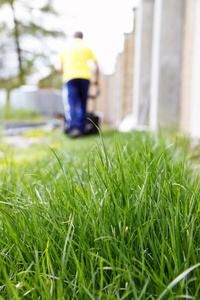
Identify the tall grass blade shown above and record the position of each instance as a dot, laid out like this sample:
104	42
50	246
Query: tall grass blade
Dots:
177	279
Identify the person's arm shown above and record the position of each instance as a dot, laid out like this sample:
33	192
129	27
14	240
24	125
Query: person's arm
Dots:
61	69
97	74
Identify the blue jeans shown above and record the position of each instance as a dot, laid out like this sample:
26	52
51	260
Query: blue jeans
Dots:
77	99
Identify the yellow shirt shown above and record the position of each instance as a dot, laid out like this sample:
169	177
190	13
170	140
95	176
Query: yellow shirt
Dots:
75	61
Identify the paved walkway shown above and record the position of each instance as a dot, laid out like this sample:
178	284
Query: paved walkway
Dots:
11	133
13	129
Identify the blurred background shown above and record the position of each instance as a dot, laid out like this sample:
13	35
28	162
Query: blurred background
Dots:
148	52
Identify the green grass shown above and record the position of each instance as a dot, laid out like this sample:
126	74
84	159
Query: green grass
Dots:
110	218
20	115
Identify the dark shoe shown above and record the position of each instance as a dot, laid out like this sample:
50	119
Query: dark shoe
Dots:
66	131
74	133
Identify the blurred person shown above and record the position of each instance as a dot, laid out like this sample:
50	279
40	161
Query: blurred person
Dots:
76	78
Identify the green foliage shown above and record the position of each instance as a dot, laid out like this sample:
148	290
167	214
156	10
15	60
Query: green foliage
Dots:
11	83
20	115
115	219
14	41
54	80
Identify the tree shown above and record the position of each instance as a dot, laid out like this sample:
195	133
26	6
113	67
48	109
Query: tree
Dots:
26	38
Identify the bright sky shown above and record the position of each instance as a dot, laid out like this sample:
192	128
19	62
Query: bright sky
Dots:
103	23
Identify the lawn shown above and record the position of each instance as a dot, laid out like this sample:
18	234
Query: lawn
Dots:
103	217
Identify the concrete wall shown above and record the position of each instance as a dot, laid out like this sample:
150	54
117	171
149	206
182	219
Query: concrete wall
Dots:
117	92
179	47
195	99
170	61
187	64
47	102
100	105
127	74
178	65
116	97
145	64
